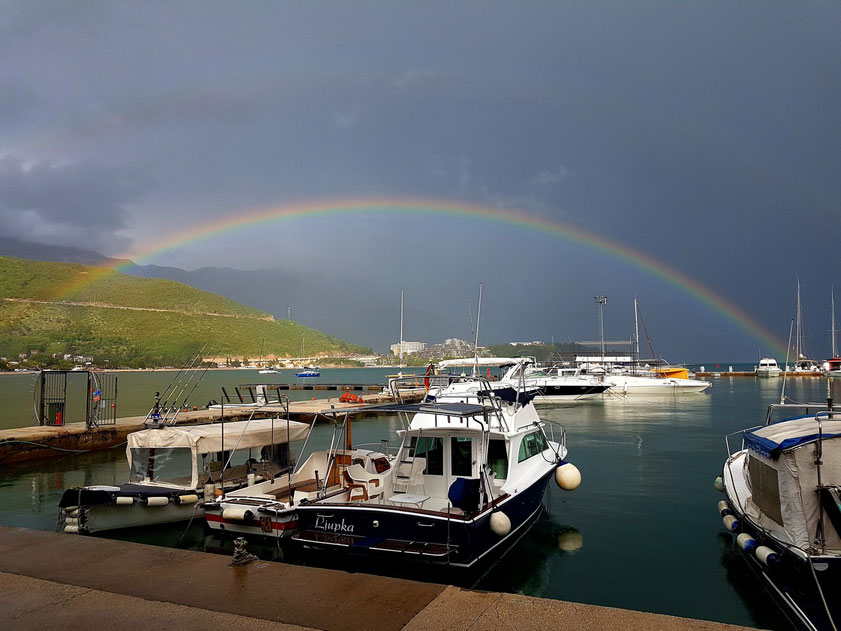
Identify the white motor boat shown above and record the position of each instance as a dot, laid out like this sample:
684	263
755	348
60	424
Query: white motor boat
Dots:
783	498
555	385
469	479
173	470
768	368
546	386
675	381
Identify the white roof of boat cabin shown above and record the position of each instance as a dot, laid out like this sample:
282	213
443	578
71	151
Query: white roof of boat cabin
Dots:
212	437
483	361
784	435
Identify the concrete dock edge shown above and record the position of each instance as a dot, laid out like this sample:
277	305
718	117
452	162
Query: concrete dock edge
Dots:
69	582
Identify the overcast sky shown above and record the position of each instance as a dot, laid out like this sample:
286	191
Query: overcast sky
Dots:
704	134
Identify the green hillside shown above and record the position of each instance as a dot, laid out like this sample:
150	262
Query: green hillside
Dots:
69	308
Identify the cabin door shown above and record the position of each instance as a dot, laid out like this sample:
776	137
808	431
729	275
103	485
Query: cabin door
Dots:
462	451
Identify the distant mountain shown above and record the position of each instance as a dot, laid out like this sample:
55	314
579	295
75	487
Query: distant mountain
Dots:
56	253
342	304
69	308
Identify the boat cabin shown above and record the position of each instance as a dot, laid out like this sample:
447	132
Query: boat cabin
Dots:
783	477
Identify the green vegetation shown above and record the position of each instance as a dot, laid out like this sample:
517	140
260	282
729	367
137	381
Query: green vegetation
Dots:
117	330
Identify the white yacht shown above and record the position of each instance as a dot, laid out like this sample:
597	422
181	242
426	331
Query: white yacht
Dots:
768	368
469	478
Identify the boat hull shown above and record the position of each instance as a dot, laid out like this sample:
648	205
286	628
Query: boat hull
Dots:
548	394
417	534
100	508
103	518
274	525
644	385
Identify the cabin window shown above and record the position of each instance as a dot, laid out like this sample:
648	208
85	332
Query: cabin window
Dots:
461	456
158	464
498	458
765	489
433	450
531	445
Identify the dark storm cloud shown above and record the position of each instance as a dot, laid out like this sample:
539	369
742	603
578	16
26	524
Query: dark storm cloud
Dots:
702	133
70	204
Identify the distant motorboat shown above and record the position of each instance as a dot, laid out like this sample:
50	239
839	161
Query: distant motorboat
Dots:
768	368
268	371
308	371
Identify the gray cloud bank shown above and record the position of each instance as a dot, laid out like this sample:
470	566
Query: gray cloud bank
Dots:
704	134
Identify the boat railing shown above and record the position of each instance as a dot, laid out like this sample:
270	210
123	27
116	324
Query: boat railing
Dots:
561	429
804	409
741	434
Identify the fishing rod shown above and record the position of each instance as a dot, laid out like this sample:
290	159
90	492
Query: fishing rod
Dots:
195	385
173	384
155	411
183	381
189	379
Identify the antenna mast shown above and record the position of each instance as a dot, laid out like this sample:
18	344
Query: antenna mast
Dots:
476	339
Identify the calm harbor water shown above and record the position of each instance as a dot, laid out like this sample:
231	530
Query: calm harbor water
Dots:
642	532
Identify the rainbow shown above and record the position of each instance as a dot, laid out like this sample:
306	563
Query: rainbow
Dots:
398	206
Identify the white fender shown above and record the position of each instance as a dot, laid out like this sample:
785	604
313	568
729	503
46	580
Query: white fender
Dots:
731	523
125	501
567	476
766	555
500	524
157	501
746	542
188	499
236	513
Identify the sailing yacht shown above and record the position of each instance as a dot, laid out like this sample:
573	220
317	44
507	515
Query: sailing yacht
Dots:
801	364
626	375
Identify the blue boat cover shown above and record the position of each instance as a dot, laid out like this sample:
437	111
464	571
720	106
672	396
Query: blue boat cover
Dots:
771	440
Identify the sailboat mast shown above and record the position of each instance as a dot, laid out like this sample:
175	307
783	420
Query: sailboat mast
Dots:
636	330
834	349
476	339
401	328
798	348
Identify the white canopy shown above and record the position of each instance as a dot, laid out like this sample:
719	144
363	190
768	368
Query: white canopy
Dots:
203	439
483	361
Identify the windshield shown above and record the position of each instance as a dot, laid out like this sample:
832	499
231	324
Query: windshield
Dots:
157	464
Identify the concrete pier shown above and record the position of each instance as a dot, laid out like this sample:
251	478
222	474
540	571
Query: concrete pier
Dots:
41	441
53	581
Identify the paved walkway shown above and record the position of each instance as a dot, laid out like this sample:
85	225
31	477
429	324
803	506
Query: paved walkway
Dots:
54	581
